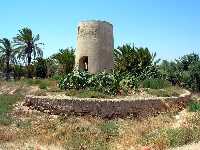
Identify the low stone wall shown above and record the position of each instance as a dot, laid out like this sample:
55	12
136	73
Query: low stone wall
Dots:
107	108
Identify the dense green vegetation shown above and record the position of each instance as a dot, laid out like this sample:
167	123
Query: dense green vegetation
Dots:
128	75
7	55
131	59
133	67
137	67
184	71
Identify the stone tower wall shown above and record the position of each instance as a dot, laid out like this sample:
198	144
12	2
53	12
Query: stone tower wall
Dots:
95	41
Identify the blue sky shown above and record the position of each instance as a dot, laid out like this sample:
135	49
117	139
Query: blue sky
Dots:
171	28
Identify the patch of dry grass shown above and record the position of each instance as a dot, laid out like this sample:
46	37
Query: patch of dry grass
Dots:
95	133
132	131
36	130
86	132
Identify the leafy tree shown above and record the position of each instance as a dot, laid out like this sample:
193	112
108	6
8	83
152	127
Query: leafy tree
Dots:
170	72
185	71
194	80
30	71
41	67
7	53
129	58
28	45
52	67
18	71
187	60
66	58
1	64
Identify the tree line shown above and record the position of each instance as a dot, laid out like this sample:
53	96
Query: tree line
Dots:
23	57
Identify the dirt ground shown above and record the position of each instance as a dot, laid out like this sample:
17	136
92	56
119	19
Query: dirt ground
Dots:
33	130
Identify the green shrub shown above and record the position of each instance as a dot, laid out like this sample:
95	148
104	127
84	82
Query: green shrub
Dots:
30	71
66	60
57	77
195	76
128	83
184	72
75	80
41	68
107	83
18	71
194	106
155	83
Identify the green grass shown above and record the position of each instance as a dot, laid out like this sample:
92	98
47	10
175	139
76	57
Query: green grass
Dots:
110	128
167	92
6	105
86	94
43	84
155	84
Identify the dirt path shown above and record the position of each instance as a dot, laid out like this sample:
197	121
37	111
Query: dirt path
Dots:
181	120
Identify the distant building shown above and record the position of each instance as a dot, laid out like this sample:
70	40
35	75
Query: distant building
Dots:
95	44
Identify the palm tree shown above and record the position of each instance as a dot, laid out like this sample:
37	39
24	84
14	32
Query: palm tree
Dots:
66	58
6	54
28	45
132	59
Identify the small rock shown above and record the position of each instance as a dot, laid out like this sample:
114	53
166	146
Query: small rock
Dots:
146	148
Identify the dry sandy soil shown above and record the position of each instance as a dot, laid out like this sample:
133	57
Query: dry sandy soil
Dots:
33	130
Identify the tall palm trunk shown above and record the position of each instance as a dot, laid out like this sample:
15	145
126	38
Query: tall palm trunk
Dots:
7	68
29	58
29	65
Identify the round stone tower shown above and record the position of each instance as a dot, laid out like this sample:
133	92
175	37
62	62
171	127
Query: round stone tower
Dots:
95	46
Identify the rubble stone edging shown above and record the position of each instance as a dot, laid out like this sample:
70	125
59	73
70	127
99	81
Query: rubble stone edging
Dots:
107	108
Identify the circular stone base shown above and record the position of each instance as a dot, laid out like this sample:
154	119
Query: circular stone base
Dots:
107	108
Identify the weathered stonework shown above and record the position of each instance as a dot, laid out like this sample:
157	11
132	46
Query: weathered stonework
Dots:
108	108
95	44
